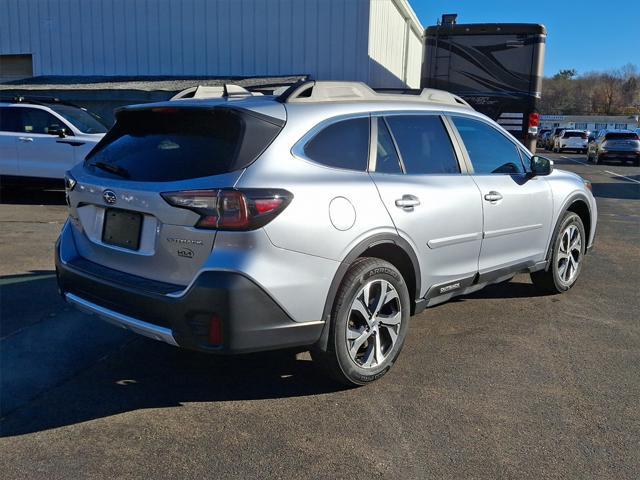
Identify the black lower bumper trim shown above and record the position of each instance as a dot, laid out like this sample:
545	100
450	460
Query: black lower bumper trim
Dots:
251	320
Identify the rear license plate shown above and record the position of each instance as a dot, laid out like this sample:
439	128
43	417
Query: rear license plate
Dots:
122	228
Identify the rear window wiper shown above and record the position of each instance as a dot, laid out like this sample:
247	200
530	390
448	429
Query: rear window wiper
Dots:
116	170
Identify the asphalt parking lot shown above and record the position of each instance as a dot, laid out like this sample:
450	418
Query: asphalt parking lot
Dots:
504	383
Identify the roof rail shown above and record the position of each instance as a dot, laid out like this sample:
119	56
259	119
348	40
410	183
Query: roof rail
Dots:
228	90
37	100
313	91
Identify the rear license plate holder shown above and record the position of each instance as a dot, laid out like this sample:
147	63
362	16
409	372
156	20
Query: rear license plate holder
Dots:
122	228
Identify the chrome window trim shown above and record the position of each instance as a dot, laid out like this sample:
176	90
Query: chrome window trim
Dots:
374	146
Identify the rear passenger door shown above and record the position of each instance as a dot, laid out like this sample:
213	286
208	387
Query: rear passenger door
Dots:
40	153
434	204
517	208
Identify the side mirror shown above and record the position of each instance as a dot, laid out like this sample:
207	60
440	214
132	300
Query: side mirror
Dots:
57	130
541	166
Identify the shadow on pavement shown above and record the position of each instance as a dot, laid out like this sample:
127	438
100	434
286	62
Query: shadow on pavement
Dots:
71	368
504	290
61	367
623	189
26	299
146	374
32	195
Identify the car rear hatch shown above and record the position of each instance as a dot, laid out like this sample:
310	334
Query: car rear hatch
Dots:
622	141
121	219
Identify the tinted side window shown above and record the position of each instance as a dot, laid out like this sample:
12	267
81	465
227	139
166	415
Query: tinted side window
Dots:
490	150
39	121
342	144
424	144
387	160
10	119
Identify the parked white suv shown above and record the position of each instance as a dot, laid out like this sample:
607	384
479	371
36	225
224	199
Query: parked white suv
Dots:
571	140
44	139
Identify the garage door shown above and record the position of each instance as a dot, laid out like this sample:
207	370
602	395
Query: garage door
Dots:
15	67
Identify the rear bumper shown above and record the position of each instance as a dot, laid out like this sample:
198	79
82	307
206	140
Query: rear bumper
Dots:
620	154
251	320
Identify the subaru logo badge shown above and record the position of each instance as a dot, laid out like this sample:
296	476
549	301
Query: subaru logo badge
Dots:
109	197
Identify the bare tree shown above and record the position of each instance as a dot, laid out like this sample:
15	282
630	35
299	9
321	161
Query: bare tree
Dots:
612	92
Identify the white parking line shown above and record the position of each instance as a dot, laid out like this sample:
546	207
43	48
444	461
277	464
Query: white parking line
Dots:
604	171
574	160
622	176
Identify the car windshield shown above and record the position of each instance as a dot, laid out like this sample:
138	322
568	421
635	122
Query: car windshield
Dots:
81	119
621	136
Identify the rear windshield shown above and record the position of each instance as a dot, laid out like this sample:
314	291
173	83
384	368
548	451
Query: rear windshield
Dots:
169	144
575	134
621	136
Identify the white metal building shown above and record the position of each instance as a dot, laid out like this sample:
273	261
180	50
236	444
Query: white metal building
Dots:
376	41
590	122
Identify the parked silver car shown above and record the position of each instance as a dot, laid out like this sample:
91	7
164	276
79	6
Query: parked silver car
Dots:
622	145
319	219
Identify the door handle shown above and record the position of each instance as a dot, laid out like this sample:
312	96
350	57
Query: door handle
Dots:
25	139
493	196
407	202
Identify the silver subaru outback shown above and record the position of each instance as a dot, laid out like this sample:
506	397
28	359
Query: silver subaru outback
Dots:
321	219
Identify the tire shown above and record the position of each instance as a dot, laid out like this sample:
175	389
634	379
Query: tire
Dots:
565	268
356	337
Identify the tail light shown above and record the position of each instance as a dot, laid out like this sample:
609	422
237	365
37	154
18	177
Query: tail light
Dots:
215	330
534	123
232	209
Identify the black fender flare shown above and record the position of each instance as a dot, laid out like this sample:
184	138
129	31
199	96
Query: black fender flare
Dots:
565	207
357	251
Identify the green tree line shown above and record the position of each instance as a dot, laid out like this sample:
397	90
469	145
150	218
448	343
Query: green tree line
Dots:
614	92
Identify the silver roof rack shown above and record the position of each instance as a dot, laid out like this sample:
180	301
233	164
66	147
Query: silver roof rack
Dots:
330	91
228	90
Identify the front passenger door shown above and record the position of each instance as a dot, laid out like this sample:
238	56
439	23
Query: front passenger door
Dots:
517	208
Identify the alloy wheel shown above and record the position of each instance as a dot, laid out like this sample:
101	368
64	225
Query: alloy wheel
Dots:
569	254
373	324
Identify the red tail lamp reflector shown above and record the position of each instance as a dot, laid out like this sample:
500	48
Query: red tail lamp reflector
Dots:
215	330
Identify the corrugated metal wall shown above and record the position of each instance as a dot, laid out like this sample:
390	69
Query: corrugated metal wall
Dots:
395	48
326	38
414	59
329	39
